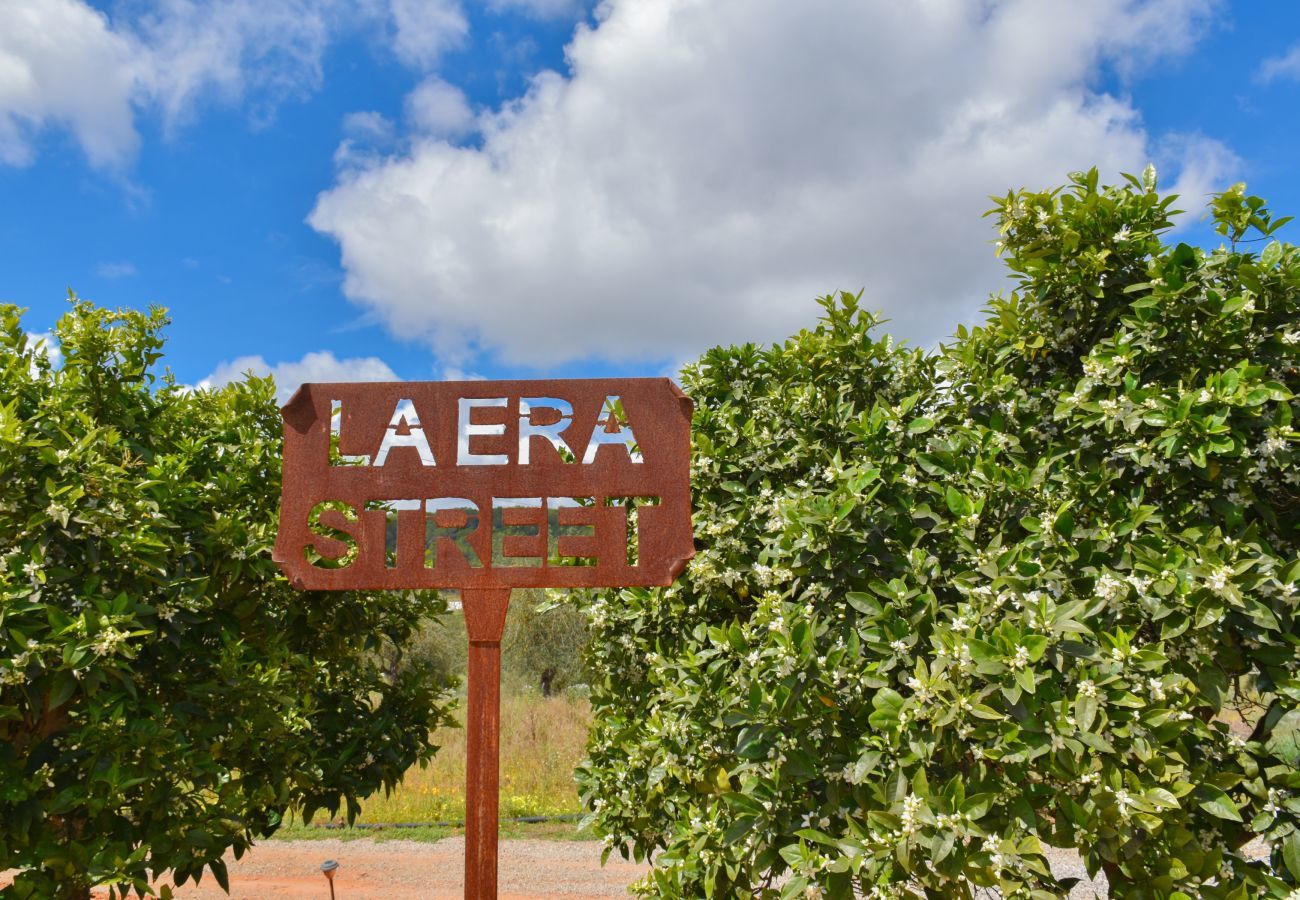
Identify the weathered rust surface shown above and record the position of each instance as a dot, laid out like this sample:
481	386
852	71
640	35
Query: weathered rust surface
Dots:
485	617
418	492
390	536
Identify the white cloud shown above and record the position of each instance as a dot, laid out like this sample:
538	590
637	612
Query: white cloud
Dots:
1205	166
368	126
712	165
270	49
65	65
540	9
120	269
426	29
366	137
439	110
1285	66
320	366
452	373
47	343
62	66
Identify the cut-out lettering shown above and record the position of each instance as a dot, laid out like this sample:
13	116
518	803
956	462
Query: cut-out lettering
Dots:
475	485
336	432
335	546
533	408
404	430
559	512
467	429
516	521
632	505
450	519
612	428
391	508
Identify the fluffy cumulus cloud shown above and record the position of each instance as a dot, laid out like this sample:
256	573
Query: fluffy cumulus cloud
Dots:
439	109
1285	66
425	29
61	65
65	65
321	366
712	165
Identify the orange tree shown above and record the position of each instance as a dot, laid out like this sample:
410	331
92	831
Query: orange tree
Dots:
165	695
1038	589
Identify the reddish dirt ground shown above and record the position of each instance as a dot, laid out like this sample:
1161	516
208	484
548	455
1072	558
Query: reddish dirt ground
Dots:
407	870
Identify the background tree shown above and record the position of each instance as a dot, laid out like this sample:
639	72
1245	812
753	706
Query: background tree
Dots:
541	648
543	642
164	693
1038	589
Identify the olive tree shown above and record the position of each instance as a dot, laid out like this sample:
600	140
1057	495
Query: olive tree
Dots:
1039	588
165	695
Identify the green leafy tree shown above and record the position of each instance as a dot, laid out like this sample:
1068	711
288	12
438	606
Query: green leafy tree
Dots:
543	642
1038	589
541	648
165	695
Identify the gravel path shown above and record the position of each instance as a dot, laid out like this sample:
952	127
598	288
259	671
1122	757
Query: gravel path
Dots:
407	870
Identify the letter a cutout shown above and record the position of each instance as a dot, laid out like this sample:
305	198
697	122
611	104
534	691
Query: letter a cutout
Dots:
405	414
611	428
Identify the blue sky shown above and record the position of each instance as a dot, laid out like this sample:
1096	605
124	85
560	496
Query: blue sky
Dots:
517	188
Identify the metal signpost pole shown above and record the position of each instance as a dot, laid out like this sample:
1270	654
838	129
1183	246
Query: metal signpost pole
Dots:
485	619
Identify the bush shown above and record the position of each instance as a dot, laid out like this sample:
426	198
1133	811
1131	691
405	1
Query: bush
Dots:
543	643
541	647
1039	588
164	693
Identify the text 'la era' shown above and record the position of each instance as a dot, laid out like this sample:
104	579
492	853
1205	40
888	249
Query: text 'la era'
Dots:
546	418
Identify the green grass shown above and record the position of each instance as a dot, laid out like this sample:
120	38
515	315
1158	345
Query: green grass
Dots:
542	739
548	831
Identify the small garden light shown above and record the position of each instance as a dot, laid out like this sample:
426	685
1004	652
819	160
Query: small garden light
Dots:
327	869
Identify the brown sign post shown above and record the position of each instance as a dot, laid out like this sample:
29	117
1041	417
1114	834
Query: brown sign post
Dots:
485	486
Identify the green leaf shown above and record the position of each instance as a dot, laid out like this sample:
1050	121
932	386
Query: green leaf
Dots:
1291	853
218	867
1085	711
736	638
1036	644
887	704
65	685
1217	803
958	503
863	603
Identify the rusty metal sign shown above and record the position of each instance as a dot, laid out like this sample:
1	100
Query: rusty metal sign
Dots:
485	486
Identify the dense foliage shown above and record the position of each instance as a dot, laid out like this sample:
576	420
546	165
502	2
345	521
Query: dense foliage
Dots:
541	647
164	693
1040	588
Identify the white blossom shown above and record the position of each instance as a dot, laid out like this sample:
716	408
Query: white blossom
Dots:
108	641
912	806
1110	588
1218	580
